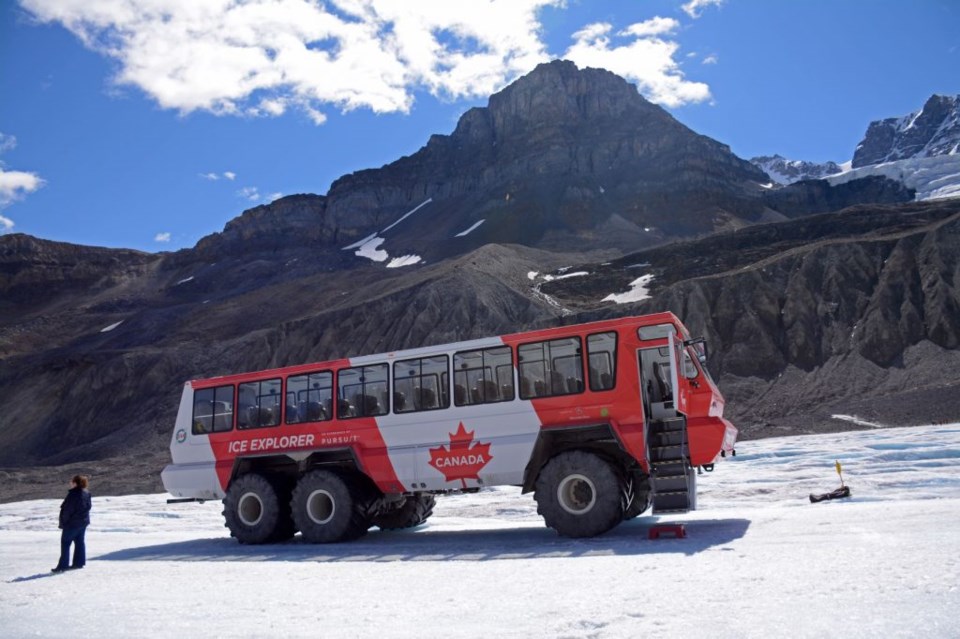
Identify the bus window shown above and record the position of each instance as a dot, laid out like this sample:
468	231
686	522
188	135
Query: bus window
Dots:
602	360
550	368
258	404
418	384
483	377
310	398
213	410
657	331
362	391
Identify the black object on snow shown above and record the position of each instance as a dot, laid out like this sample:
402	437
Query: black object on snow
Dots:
839	493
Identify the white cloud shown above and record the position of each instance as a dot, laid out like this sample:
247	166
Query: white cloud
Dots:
261	57
652	27
317	116
639	56
711	59
14	185
162	237
226	175
272	197
7	142
694	8
251	193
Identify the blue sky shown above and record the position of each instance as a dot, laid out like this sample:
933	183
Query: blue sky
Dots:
143	129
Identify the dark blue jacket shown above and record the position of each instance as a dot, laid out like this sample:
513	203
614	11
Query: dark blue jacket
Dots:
75	509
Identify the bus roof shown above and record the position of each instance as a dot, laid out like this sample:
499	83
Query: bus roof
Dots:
425	351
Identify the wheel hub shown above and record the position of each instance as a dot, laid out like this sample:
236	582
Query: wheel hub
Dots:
321	506
576	494
250	509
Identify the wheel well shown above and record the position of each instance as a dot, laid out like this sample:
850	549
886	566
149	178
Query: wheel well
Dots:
287	468
599	438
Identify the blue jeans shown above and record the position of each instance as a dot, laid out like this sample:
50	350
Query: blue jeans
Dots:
72	535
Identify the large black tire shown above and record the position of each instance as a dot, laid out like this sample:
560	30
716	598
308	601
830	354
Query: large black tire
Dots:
412	511
330	506
579	494
641	497
252	509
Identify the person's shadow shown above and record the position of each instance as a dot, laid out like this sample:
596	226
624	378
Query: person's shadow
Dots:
39	575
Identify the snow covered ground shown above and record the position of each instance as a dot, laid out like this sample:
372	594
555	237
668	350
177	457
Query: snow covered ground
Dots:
759	561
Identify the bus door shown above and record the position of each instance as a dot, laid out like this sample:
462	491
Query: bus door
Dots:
660	385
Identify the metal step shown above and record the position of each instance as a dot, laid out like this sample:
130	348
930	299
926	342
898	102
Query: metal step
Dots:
674	424
670	483
667	438
676	452
670	467
671	502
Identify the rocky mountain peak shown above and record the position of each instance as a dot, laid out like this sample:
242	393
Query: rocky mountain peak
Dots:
553	154
932	131
558	93
784	171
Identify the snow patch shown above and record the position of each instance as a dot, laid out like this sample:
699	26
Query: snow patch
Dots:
853	419
409	213
564	311
107	329
532	275
637	293
472	228
368	247
550	278
370	250
184	280
360	243
406	260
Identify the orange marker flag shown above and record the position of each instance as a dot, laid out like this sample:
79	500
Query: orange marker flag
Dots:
840	472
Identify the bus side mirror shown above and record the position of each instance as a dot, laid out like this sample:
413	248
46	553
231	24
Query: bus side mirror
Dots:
701	352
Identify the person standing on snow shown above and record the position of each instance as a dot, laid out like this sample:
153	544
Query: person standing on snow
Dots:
74	519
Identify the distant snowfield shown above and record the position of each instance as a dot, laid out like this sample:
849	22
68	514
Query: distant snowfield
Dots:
759	561
934	178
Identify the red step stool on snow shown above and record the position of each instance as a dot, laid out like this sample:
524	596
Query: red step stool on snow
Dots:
676	530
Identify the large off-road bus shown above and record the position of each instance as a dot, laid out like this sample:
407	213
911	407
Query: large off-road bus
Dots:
600	421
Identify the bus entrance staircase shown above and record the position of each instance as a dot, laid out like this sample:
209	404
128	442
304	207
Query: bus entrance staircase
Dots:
672	479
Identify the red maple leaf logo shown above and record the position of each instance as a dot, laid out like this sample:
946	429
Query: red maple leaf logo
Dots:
463	460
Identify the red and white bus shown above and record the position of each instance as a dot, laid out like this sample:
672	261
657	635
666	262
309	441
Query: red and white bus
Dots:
599	420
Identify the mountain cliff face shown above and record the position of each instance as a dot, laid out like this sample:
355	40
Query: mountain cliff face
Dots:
932	131
564	167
